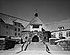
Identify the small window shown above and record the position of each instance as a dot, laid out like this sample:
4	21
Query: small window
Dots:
18	29
26	37
15	29
60	34
6	26
15	34
35	26
18	25
19	34
67	34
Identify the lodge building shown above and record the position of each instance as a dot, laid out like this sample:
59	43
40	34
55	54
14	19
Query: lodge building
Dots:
6	29
35	33
18	27
10	26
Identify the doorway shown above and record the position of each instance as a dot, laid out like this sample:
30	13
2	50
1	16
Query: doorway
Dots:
35	39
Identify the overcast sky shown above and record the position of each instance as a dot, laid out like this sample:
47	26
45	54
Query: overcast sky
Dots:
49	10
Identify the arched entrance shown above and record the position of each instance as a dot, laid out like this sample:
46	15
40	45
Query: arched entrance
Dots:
35	39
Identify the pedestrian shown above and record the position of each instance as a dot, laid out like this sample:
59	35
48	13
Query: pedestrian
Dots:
26	47
47	49
23	44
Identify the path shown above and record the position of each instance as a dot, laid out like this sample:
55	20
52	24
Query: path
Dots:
36	46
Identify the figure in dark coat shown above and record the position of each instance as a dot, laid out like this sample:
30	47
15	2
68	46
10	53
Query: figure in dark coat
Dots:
47	48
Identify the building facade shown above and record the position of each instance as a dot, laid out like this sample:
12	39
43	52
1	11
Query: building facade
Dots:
18	29
9	26
61	33
34	31
6	29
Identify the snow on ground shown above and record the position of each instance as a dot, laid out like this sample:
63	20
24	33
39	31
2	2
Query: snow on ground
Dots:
55	50
11	51
37	46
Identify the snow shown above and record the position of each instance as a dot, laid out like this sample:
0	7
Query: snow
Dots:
54	49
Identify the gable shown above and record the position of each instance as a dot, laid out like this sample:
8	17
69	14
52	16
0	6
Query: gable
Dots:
24	23
36	20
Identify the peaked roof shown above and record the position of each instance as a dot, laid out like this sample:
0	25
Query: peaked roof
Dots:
24	23
27	28
36	20
7	18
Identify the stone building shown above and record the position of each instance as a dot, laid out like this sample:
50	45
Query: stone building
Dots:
33	31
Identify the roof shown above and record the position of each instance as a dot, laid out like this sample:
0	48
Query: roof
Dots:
9	19
60	30
36	20
24	23
27	28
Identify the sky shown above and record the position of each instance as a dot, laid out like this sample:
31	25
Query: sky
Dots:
48	10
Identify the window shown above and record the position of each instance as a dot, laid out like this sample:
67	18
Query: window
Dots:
15	29
18	25
19	34
66	34
15	34
35	26
26	37
60	28
60	34
18	29
6	26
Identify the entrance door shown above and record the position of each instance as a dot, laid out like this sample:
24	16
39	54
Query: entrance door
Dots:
35	39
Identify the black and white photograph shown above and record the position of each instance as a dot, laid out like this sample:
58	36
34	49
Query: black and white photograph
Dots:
34	27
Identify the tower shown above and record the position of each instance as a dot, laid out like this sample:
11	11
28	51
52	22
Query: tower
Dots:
36	23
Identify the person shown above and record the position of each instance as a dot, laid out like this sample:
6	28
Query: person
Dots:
23	44
47	49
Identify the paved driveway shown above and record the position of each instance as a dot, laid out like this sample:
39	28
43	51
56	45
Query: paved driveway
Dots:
36	46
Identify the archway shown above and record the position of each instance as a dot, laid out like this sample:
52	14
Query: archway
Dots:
35	39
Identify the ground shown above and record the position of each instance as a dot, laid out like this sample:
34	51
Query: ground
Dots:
37	48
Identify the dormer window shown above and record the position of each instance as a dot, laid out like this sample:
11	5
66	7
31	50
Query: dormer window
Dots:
35	26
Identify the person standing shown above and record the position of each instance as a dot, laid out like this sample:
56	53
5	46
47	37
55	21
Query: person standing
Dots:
47	49
23	44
